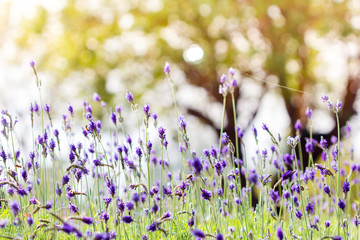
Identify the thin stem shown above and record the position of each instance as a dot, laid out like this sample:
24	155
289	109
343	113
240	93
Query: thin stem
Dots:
338	172
236	135
222	122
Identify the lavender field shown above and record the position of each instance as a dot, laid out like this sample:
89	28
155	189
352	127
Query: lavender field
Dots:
103	183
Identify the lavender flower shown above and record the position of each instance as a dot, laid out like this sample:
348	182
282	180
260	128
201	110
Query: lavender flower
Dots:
298	125
308	112
253	177
198	233
327	190
87	220
29	221
113	118
130	206
324	98
167	68
96	97
287	175
191	222
346	187
274	196
223	78
205	194
327	224
341	204
47	108
280	234
356	221
219	237
310	208
129	97
254	131
197	165
127	219
14	206
3	223
161	132
146	109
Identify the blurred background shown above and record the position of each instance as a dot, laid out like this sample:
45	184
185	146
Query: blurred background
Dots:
287	54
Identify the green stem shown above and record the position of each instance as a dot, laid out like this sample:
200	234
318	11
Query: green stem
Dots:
222	122
338	172
236	135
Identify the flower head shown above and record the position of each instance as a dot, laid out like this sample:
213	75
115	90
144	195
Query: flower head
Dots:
309	208
167	68
308	112
129	97
326	189
15	207
346	186
87	220
197	165
96	97
198	233
280	234
341	204
298	125
274	195
205	194
127	219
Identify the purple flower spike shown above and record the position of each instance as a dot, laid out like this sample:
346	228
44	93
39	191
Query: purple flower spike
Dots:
47	108
223	78
152	227
274	195
205	194
167	68
327	224
310	208
113	118
341	204
32	64
231	71
338	104
219	237
346	186
146	109
129	97
3	223
327	190
15	207
198	167
325	98
30	221
280	234
308	112
127	219
161	131
197	233
87	220
254	131
298	125
234	83
96	97
287	175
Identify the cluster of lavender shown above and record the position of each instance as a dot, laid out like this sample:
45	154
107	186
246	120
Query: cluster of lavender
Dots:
104	185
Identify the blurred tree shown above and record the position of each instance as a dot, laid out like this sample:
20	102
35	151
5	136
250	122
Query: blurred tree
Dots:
270	40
